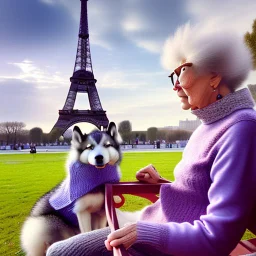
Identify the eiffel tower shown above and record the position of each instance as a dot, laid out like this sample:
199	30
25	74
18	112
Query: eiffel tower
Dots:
82	81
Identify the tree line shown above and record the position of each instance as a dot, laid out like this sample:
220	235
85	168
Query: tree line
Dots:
12	133
150	135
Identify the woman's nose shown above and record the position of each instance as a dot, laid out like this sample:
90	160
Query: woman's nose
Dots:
177	87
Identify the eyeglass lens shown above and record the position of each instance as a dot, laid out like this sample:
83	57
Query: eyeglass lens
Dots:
175	78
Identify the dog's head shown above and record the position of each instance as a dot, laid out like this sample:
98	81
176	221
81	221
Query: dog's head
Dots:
97	148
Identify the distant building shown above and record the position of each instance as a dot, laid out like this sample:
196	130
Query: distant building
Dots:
172	128
189	125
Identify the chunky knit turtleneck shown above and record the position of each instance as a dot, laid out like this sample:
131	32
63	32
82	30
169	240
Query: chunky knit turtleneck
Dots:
82	179
206	210
233	101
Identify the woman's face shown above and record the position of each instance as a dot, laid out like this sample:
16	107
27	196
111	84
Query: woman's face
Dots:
195	86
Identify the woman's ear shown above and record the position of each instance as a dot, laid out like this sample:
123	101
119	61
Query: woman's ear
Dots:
215	81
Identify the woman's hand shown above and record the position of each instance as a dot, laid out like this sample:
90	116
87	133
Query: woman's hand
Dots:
125	236
148	174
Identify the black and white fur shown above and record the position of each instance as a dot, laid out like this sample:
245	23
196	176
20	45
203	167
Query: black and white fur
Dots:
44	226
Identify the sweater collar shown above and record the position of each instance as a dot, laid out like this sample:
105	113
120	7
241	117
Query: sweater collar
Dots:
240	99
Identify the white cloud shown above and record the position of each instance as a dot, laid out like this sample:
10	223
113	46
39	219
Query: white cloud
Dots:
112	23
128	79
118	79
96	39
132	24
150	45
28	68
30	72
137	29
235	14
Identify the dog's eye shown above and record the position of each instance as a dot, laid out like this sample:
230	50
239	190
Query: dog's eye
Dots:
107	145
89	146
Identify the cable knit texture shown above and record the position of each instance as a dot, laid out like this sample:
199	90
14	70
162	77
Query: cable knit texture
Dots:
82	179
206	210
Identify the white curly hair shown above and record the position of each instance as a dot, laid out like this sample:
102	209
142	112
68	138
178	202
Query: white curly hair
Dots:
220	51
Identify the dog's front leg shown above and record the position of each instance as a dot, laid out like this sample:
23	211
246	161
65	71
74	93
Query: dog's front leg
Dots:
87	205
99	220
83	213
84	220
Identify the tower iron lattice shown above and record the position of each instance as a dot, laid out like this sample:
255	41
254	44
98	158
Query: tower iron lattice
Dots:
82	81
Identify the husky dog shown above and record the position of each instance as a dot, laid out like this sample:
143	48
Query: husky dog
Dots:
77	204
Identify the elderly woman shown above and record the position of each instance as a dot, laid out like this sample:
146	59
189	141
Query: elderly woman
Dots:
212	201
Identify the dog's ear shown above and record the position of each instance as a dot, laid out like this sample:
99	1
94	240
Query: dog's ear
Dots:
77	136
112	131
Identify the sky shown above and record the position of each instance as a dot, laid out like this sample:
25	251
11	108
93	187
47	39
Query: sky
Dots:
38	42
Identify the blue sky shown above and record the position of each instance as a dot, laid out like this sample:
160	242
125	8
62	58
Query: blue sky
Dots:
38	46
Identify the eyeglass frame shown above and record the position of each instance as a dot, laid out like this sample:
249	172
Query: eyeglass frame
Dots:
178	70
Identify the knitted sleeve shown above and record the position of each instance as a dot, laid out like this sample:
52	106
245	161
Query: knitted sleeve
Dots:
231	196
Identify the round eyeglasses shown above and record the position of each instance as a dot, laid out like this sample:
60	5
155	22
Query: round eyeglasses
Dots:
176	73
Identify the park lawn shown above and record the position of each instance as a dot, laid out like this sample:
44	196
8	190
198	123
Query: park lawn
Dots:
26	177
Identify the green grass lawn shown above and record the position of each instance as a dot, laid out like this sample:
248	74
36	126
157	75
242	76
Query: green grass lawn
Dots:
26	177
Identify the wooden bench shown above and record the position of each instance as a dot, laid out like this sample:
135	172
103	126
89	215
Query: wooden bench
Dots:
150	192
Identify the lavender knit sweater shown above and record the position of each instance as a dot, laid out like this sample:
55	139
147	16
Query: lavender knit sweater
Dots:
212	201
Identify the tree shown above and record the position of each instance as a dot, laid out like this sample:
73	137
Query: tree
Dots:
250	40
162	134
24	136
141	135
36	135
12	130
45	138
151	134
172	136
125	129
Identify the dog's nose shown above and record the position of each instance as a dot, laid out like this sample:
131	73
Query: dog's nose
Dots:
99	158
